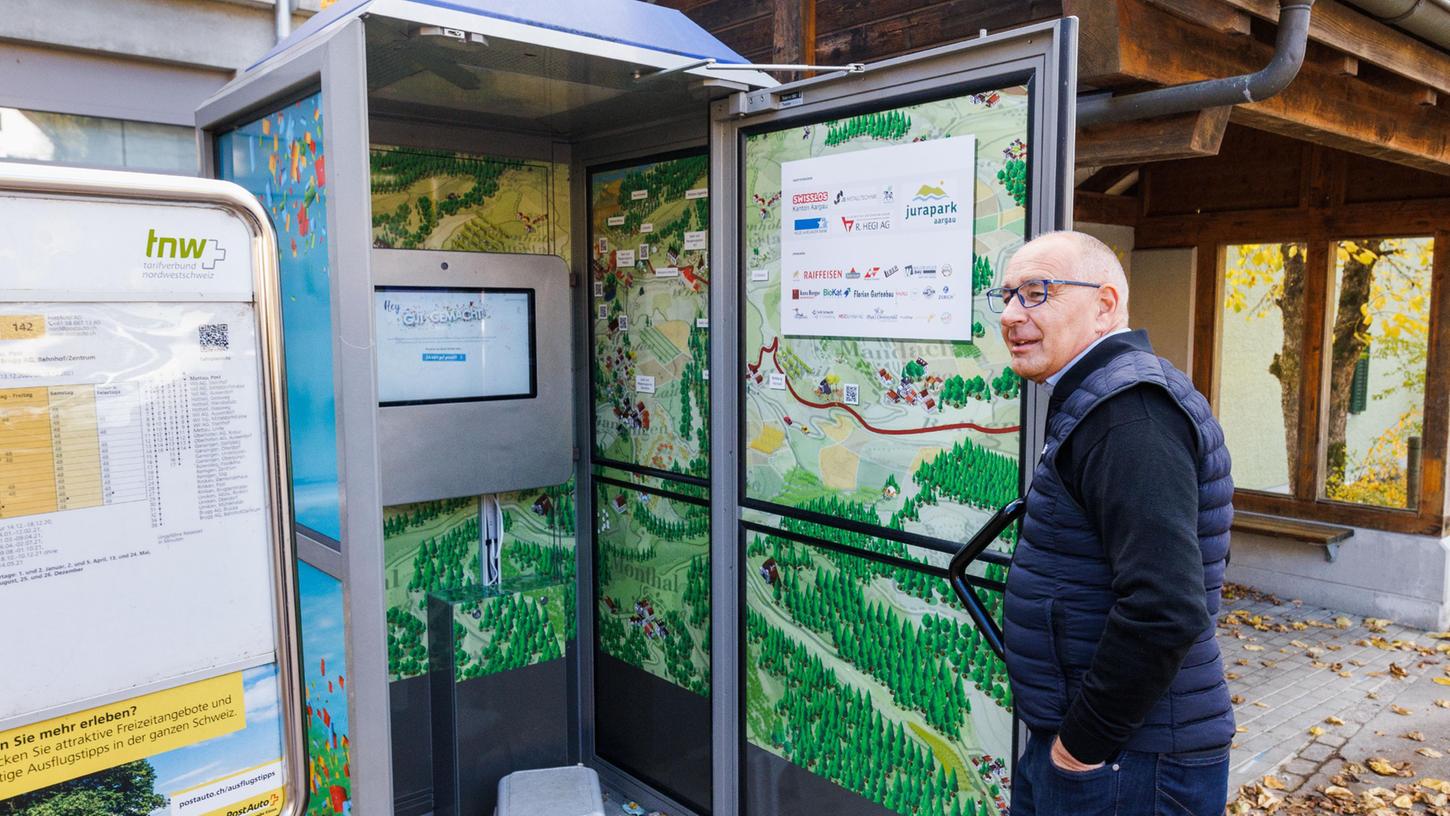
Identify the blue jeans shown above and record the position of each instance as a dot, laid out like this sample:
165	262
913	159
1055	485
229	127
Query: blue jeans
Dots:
1132	783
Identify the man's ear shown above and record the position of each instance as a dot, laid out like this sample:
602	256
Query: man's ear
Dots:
1107	306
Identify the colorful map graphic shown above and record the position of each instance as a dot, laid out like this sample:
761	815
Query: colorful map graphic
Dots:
649	268
653	565
428	199
870	675
922	433
435	545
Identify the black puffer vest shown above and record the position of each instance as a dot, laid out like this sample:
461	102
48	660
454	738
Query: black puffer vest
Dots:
1059	588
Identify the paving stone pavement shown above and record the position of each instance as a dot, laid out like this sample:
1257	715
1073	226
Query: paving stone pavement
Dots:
1314	688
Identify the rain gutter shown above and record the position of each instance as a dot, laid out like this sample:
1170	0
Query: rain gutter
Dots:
1289	46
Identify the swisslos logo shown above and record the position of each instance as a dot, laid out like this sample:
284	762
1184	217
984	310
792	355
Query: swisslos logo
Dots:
932	203
810	198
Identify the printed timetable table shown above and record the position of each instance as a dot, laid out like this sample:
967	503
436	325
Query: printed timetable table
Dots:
68	447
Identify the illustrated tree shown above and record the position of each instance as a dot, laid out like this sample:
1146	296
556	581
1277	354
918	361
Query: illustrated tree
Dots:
126	790
1383	292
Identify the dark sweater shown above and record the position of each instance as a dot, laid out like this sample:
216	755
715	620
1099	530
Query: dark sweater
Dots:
1131	464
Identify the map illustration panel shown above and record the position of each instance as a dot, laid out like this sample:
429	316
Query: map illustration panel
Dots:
475	541
873	676
920	435
432	199
649	269
653	576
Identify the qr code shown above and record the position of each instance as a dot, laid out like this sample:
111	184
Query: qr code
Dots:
214	336
852	394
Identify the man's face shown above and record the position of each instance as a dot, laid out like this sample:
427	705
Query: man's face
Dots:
1045	338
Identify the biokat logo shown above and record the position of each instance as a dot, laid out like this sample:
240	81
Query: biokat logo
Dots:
932	203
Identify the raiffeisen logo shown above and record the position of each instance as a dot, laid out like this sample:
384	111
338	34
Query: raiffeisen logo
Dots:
207	251
932	203
819	274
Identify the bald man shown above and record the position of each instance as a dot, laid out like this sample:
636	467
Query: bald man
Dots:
1114	586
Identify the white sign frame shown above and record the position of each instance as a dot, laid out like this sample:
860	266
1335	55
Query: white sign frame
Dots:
40	190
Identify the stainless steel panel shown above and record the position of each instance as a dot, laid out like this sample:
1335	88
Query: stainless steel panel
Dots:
470	448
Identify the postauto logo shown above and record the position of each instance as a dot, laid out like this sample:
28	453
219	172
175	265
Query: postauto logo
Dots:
932	204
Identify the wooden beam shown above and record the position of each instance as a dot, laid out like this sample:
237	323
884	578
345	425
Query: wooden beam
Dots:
1210	14
1331	60
1437	388
1183	136
1155	47
1342	28
1101	208
1105	179
788	45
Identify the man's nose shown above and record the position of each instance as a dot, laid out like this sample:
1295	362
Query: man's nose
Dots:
1014	314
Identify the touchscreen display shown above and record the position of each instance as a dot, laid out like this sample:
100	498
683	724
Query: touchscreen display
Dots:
444	344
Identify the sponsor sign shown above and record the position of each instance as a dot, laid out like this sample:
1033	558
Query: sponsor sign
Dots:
897	210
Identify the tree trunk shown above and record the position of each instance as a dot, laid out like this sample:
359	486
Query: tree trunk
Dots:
1348	342
1287	364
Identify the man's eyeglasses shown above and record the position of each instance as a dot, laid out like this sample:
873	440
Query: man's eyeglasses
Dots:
1030	294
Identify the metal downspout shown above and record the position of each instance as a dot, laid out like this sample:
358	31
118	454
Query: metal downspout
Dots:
1289	45
283	18
1427	19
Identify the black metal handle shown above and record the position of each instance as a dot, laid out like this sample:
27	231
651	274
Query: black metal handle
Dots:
957	571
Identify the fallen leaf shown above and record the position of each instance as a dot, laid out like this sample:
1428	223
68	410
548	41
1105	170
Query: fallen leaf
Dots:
1417	736
1315	731
1404	801
1400	710
1381	766
1338	792
1396	671
1274	782
1438	635
1342	622
1253	648
1442	703
1444	681
1333	721
1376	624
1230	675
1236	699
1429	752
1437	785
1261	704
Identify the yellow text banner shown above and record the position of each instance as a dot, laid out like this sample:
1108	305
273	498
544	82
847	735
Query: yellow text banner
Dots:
47	753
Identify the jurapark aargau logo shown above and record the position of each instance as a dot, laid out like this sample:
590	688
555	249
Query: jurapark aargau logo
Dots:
932	203
181	256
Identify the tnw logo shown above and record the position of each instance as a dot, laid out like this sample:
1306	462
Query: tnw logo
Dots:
206	250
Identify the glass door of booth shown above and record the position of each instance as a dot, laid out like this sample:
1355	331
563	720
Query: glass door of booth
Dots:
874	423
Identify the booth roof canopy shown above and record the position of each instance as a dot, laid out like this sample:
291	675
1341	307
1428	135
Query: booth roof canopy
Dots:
628	22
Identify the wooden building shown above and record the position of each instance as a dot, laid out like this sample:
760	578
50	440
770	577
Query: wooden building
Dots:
1292	254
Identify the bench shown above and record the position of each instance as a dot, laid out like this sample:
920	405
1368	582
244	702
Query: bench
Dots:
1318	534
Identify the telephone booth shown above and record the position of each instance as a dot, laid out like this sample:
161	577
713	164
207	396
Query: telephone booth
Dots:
638	402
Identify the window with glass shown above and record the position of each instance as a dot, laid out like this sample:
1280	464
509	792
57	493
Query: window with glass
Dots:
1377	349
1347	406
1260	362
92	141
